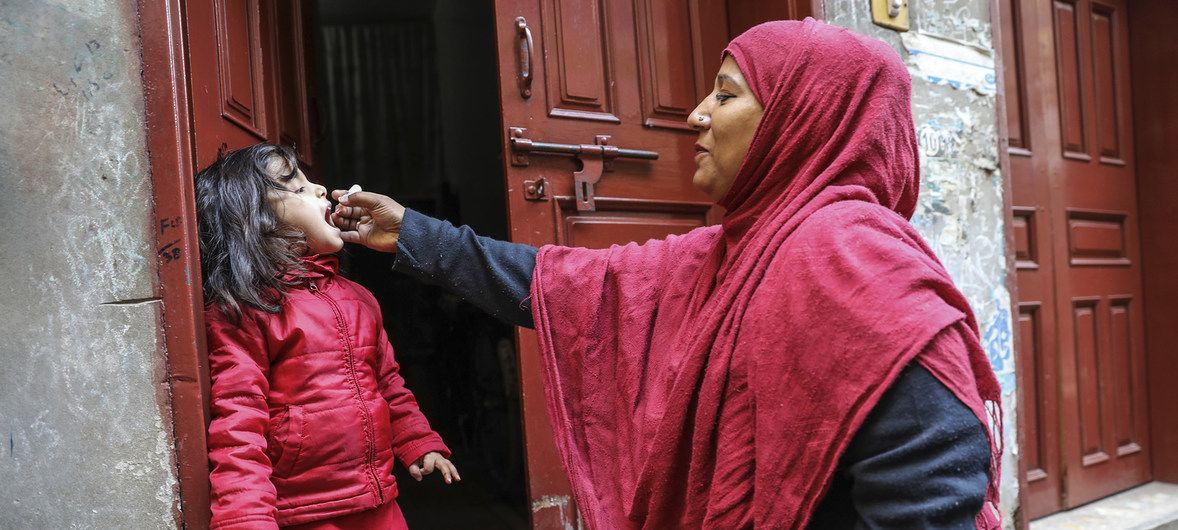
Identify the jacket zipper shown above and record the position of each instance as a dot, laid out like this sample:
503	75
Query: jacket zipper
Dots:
350	360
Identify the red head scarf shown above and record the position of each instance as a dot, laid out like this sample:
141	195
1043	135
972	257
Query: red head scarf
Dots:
714	379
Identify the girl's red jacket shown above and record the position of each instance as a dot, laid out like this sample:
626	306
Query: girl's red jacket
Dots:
308	408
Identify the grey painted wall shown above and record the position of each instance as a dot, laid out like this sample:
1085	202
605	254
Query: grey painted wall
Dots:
960	212
85	432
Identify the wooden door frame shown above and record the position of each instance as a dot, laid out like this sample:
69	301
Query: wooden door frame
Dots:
172	166
1011	280
1158	218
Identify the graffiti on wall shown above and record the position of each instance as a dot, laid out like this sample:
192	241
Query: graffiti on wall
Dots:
960	214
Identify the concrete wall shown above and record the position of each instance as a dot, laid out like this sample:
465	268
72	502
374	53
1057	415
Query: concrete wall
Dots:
85	432
960	211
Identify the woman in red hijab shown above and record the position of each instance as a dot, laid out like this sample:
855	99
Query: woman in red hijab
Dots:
806	364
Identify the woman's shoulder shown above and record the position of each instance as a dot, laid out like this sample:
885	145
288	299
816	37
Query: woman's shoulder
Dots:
843	218
851	241
851	230
703	234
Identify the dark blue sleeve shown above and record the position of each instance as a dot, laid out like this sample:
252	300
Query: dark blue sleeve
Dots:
920	460
495	276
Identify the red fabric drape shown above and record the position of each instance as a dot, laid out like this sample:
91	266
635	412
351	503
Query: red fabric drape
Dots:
714	379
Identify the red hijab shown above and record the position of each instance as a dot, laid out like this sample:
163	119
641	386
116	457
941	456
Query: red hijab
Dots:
714	379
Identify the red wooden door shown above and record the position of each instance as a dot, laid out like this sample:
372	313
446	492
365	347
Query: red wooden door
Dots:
1106	428
1079	274
570	71
248	69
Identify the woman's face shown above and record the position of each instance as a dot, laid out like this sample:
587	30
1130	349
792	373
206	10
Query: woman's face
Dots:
304	207
726	120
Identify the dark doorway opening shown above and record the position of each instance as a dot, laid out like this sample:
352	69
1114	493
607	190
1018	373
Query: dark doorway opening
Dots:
407	104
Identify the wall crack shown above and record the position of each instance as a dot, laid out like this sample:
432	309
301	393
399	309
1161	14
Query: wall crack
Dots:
133	301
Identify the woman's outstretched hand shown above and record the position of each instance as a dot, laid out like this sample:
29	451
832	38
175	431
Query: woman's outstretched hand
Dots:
370	219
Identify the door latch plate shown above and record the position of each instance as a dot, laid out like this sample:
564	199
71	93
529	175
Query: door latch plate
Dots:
536	190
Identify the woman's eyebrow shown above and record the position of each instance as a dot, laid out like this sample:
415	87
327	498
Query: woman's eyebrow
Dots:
722	78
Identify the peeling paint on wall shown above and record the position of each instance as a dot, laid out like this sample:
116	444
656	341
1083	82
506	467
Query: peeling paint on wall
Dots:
960	211
82	400
563	507
941	61
960	214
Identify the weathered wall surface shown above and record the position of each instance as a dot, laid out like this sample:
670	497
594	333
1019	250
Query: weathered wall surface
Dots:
85	436
960	214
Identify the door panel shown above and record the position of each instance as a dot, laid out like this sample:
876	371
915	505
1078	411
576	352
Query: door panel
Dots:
229	93
296	114
621	220
239	60
249	77
1077	250
1104	71
744	14
1067	51
570	71
577	84
669	77
1087	385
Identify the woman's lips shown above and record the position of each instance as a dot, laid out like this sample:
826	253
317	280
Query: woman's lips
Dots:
700	151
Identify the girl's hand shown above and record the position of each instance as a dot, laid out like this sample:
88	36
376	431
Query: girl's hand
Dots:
431	461
370	219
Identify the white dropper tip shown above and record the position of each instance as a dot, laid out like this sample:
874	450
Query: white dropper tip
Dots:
354	189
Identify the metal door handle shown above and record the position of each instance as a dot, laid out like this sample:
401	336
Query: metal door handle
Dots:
525	57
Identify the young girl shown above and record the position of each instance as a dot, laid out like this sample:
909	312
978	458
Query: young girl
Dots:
308	408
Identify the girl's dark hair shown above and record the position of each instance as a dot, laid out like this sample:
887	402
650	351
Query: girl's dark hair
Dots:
244	251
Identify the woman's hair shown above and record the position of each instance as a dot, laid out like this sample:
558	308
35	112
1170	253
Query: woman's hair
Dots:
244	250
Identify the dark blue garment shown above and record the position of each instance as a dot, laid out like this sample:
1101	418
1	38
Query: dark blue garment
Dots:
920	460
494	275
